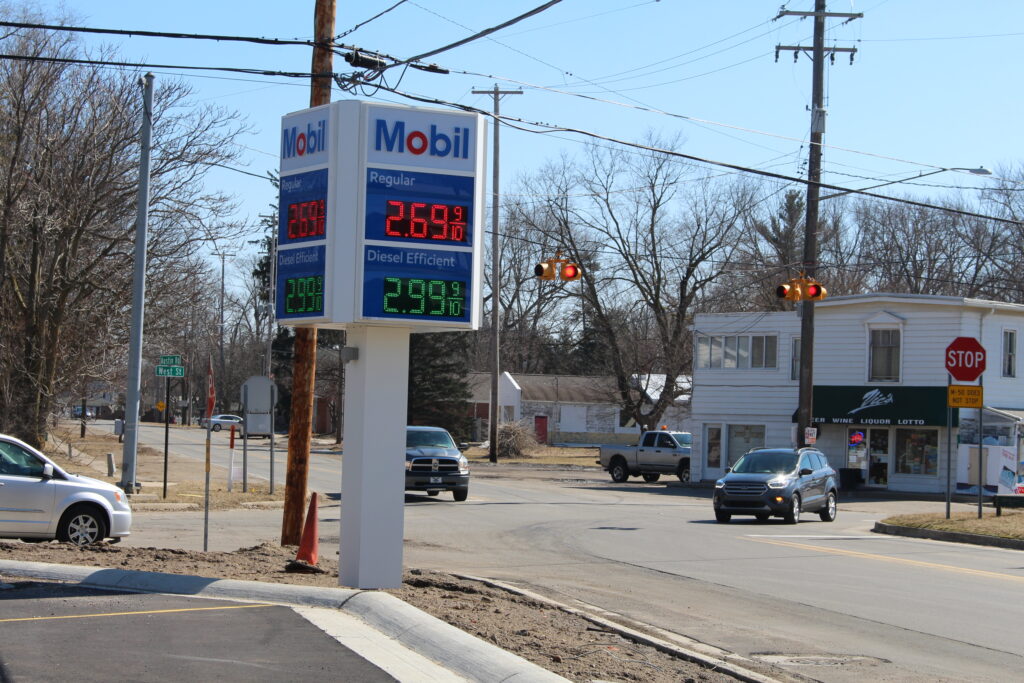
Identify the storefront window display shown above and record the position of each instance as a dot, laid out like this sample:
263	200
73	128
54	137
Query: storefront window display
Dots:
856	448
917	451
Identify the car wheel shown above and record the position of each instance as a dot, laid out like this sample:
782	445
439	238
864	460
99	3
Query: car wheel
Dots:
215	428
460	495
828	513
762	517
619	470
722	517
433	493
82	525
793	514
651	477
684	474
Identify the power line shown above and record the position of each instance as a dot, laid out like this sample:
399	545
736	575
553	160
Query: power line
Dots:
158	34
512	121
373	18
138	65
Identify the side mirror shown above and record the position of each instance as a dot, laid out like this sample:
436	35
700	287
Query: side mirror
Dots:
805	471
463	446
728	470
47	471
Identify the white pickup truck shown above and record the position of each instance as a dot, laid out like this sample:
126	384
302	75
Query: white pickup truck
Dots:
659	452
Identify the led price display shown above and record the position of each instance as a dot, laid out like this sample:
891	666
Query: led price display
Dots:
420	296
304	295
303	208
427	221
419	207
307	219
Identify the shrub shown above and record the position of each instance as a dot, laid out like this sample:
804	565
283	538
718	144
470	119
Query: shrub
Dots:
514	438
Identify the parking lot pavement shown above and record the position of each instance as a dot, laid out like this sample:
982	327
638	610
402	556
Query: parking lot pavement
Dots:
59	632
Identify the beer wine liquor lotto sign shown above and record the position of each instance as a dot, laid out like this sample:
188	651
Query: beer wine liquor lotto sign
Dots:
380	217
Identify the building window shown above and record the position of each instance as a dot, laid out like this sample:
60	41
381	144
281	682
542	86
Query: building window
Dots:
714	446
1009	353
885	356
737	351
794	360
917	451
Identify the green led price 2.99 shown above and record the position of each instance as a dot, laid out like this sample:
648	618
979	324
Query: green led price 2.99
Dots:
419	296
304	294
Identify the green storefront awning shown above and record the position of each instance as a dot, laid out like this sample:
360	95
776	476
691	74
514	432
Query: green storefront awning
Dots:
865	405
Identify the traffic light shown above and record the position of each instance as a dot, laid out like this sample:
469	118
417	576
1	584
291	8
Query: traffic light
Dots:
801	289
570	272
790	291
813	291
545	270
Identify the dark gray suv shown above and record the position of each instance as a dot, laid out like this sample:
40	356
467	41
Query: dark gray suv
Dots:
780	482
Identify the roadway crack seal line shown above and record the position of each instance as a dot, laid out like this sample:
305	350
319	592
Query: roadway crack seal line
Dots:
886	558
132	614
713	663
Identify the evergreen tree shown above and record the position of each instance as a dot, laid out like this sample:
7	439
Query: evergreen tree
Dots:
438	384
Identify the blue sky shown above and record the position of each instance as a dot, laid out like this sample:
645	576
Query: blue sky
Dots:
934	84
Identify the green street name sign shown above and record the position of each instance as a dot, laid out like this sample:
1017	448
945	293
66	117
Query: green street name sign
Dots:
170	360
170	371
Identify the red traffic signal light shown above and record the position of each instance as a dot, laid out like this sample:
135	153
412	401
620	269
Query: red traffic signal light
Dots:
814	291
545	270
570	272
790	291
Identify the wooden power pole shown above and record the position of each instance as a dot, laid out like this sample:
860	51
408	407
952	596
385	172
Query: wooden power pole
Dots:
304	364
805	402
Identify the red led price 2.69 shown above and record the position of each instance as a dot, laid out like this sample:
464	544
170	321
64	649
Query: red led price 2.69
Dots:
421	220
306	219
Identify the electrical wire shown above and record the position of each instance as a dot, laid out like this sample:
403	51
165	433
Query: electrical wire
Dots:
373	18
158	34
519	124
138	65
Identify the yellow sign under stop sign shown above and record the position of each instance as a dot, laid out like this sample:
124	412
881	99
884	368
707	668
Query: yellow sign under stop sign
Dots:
965	396
160	405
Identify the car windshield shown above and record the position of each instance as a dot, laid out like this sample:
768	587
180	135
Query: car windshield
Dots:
766	462
427	438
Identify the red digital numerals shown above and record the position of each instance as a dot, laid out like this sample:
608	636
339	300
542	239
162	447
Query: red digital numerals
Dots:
420	220
306	219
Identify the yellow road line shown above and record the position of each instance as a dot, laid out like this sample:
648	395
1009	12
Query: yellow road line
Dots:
128	614
886	558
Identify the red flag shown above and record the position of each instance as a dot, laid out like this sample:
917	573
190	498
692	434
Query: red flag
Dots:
211	391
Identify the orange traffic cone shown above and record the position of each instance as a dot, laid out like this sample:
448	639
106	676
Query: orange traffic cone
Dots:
309	545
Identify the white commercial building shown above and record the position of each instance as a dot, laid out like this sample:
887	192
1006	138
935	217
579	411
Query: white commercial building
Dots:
880	389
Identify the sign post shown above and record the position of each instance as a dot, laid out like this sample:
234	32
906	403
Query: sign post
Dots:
965	362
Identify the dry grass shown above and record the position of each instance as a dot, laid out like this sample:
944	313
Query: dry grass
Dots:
186	476
1010	525
543	455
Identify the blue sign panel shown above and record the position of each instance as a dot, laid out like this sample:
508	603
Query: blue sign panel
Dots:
420	208
300	282
303	208
417	284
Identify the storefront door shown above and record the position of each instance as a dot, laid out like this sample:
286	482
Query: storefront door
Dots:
878	457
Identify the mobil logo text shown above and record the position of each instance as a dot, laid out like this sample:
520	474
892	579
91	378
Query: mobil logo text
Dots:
300	141
436	141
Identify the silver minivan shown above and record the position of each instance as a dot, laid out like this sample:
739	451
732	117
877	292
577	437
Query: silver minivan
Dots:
40	501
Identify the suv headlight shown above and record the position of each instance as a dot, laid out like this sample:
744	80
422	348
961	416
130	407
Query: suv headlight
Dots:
463	465
720	484
778	483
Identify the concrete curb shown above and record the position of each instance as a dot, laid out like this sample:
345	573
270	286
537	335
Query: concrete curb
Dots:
452	648
951	536
710	661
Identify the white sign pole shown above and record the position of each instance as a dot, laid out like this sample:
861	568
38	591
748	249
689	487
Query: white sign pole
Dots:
373	463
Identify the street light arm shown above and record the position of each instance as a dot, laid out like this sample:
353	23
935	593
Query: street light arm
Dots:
981	170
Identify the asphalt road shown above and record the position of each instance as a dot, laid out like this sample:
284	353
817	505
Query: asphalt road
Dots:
832	602
55	632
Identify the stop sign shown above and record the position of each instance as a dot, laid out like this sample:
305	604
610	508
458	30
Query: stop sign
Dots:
965	359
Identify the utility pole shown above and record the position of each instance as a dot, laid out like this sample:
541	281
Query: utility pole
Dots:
223	376
304	365
131	416
805	401
492	426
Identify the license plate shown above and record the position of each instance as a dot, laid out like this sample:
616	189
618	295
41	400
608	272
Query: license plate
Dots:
435	480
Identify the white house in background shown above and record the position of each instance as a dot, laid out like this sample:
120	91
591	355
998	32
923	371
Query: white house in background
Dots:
880	390
570	408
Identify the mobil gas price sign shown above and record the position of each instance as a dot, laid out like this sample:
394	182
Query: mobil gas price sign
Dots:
381	217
